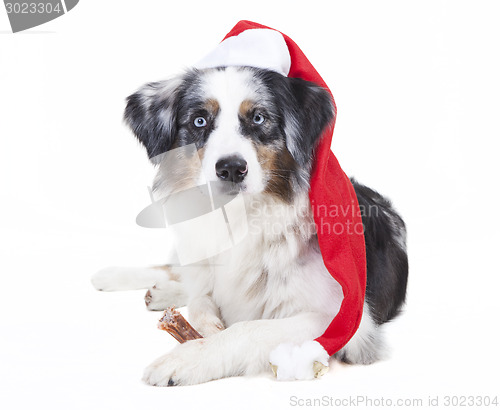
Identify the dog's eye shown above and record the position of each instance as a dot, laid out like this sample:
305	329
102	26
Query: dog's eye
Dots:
200	122
258	118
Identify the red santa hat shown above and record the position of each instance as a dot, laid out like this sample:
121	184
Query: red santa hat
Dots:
342	246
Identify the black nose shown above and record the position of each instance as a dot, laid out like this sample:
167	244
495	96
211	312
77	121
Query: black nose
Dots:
233	168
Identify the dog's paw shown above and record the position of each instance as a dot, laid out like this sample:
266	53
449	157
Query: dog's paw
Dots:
304	362
109	279
165	294
155	299
120	278
185	365
207	325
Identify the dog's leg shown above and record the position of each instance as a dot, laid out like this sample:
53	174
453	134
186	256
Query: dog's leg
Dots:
204	316
367	345
118	278
164	286
242	349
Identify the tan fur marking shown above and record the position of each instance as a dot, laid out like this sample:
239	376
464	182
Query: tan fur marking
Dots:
258	286
266	156
184	177
212	106
201	153
168	270
246	107
277	163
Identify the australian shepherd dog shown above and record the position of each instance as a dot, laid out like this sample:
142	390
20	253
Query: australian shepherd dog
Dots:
256	131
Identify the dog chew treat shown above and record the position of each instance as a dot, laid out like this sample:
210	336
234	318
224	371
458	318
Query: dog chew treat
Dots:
175	324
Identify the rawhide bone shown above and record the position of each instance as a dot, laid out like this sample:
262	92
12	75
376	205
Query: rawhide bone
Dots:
175	324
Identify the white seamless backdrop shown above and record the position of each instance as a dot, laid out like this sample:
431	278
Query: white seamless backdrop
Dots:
417	89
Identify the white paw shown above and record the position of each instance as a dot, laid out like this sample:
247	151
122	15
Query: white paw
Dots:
119	278
186	364
207	326
305	362
108	279
164	295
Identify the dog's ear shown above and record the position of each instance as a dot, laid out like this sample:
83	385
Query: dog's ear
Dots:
313	111
151	114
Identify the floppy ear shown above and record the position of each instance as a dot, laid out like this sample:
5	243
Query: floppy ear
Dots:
151	114
313	111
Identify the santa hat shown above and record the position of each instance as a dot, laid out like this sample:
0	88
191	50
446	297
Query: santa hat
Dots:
343	248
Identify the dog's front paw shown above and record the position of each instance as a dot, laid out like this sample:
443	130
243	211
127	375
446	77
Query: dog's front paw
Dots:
164	295
207	325
109	279
186	364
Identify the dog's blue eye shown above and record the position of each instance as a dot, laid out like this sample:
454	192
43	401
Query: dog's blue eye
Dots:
200	122
258	118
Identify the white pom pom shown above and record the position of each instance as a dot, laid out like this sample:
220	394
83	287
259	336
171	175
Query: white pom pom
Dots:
294	362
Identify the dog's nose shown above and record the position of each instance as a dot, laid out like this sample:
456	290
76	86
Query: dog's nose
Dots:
233	168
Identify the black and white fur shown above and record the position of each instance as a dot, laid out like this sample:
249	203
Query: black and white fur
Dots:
271	292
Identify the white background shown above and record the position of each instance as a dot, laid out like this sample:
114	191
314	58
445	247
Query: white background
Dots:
417	88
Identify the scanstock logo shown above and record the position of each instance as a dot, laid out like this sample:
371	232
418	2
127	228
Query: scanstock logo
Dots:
205	218
25	14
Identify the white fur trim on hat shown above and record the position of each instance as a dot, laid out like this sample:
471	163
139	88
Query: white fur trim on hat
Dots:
297	362
260	48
